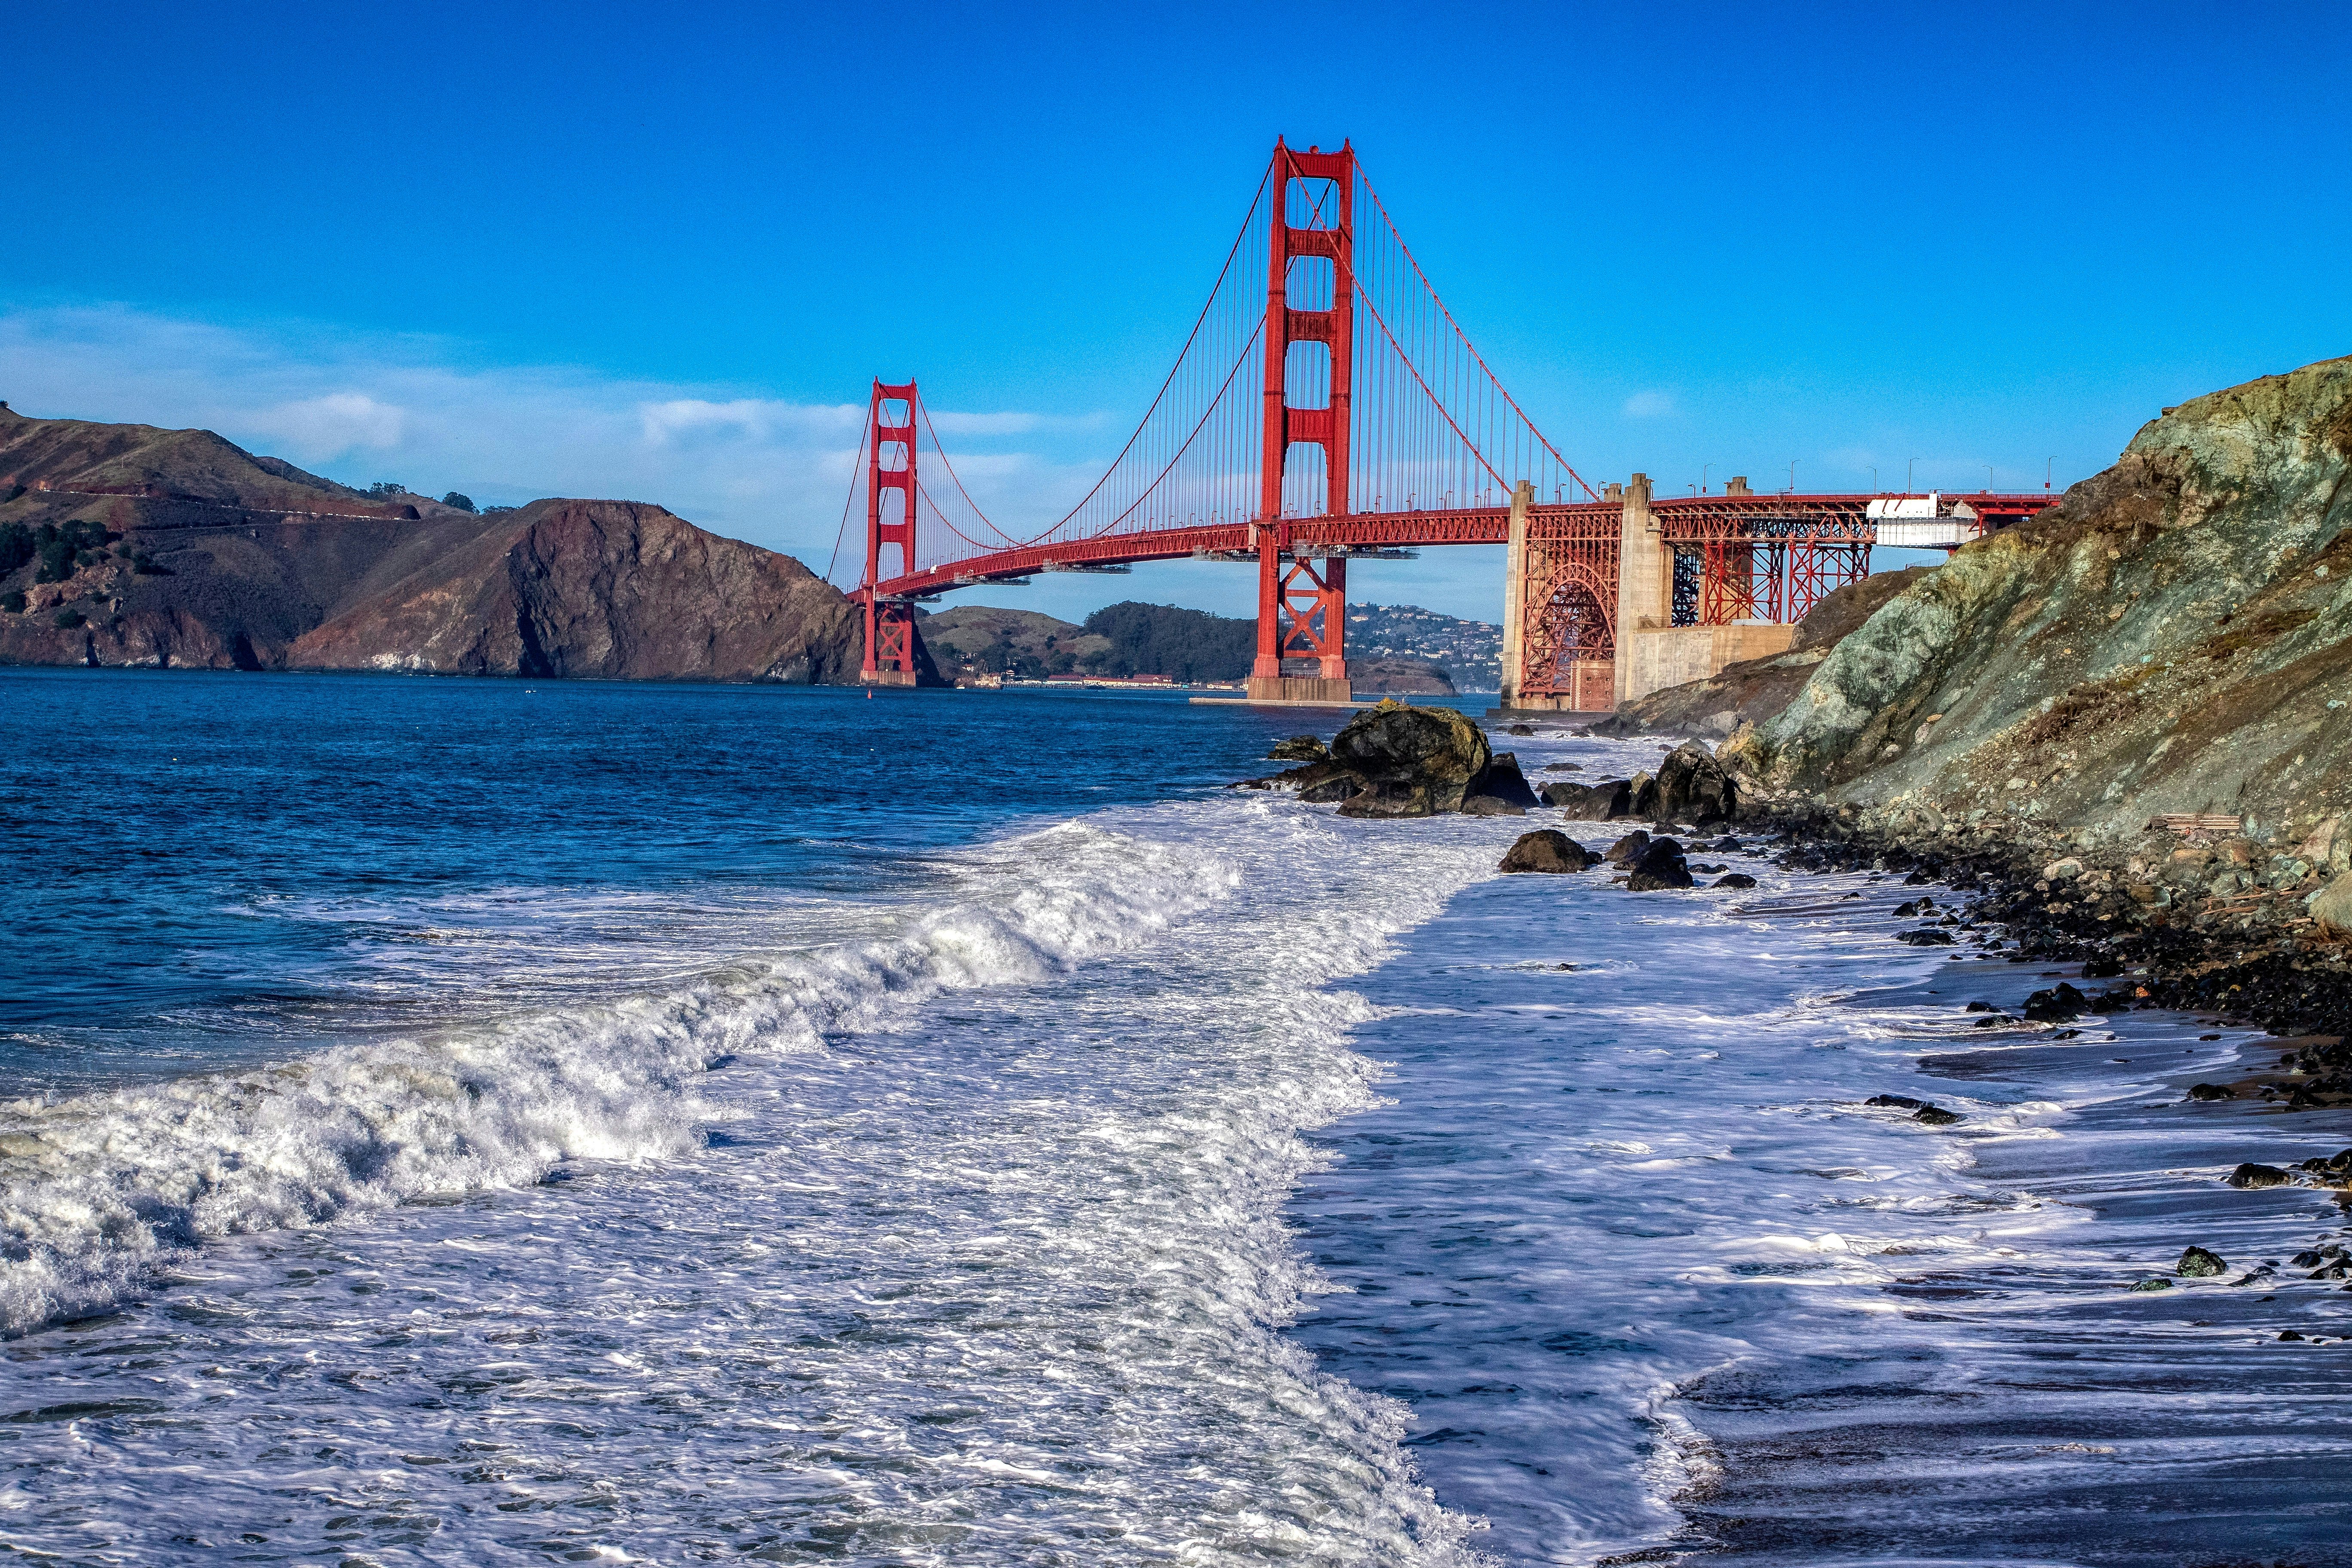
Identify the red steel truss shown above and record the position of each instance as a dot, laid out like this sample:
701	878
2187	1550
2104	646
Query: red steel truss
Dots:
1365	393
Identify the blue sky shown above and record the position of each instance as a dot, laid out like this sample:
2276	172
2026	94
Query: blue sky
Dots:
659	251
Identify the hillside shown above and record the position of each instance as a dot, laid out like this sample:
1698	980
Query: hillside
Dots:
1024	643
1470	652
1132	638
125	544
2173	640
2175	635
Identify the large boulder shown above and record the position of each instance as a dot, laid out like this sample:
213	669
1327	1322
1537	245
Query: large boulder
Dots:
1547	849
1591	802
1317	781
2332	905
1693	788
1411	761
1661	866
1503	786
1628	849
1299	749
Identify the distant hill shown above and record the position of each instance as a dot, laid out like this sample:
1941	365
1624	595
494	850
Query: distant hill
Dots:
125	544
1470	651
1020	643
1132	638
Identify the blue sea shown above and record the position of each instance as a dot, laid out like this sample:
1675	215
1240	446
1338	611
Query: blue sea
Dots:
476	1122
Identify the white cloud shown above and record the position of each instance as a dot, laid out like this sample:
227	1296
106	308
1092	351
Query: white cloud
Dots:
1649	405
338	422
368	407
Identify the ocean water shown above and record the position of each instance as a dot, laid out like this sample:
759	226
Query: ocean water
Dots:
468	1123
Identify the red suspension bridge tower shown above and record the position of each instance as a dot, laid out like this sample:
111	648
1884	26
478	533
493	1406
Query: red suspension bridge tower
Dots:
889	471
1302	606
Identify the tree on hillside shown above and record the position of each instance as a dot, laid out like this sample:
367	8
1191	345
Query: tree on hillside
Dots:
462	503
1159	639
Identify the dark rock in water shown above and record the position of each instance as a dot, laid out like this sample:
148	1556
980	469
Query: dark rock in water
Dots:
1502	780
2195	1263
2305	1259
1935	1116
1896	1101
1523	728
2289	1334
1412	762
1299	749
1925	936
1563	767
1490	806
1618	724
1628	849
1592	802
2253	1175
2061	1003
1693	786
1545	849
2103	966
1727	844
1642	791
1978	1007
1316	781
1910	910
1736	879
2153	1285
1660	866
2211	1091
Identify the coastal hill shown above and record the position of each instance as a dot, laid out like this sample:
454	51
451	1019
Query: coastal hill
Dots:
1132	638
2174	636
125	544
2132	713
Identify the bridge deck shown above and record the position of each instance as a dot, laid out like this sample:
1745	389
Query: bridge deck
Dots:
1691	521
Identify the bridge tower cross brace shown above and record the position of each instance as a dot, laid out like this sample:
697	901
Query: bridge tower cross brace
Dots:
1302	607
889	623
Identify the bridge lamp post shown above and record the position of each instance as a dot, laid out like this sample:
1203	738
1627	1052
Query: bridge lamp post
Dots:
2049	468
1792	476
1988	478
1703	469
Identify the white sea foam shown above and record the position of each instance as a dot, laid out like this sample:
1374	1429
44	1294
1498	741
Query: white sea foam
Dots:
97	1191
965	1244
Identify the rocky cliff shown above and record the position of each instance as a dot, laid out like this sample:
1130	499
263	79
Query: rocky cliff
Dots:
2174	639
2174	636
1758	689
612	589
130	545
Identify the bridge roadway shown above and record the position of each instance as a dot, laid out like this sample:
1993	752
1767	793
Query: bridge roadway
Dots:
1690	522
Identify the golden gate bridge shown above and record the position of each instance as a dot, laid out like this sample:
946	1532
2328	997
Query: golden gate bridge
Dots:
1327	406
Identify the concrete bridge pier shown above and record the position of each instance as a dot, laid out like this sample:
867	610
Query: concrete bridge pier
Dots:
1649	651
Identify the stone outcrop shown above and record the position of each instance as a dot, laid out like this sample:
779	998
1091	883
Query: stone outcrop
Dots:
1757	689
1410	761
1501	789
1597	802
2126	725
2174	638
1660	865
1690	787
1549	850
